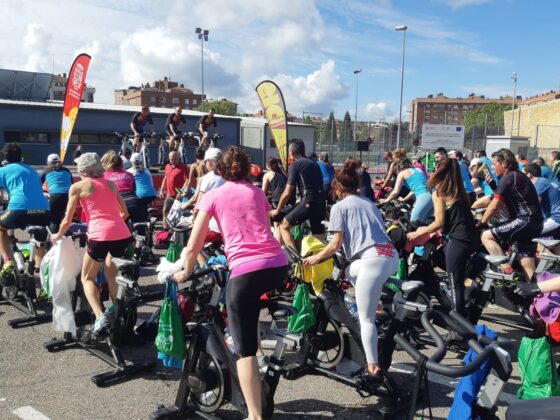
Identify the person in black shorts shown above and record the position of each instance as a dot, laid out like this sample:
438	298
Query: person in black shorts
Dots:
203	124
518	194
306	175
172	125
139	120
59	180
27	206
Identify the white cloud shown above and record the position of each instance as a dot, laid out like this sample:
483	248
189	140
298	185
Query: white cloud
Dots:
376	111
36	43
457	4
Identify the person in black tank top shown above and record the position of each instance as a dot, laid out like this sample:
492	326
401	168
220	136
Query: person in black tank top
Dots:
454	219
274	184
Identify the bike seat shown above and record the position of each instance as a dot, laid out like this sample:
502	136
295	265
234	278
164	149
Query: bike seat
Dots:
411	285
152	210
192	134
140	224
283	311
181	228
547	243
496	259
123	264
32	230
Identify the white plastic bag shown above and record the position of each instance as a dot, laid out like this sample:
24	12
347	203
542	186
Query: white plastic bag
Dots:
64	265
166	268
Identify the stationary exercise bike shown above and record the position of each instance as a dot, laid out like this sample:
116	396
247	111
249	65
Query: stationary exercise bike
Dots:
19	288
210	377
121	331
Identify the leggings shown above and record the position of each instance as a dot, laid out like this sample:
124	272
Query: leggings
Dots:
456	256
58	204
243	305
368	274
423	208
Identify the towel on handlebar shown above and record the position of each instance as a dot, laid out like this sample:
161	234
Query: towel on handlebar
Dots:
316	274
468	387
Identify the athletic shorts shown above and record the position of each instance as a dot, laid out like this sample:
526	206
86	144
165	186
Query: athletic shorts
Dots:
312	211
98	250
20	219
521	231
168	203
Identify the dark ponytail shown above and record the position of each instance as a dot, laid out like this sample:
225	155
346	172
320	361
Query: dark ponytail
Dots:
274	164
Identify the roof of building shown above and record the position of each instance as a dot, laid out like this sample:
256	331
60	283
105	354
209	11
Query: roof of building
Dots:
549	96
107	107
468	100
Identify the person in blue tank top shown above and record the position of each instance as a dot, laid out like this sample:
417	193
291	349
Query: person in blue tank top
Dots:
549	197
417	182
328	174
479	180
143	181
456	154
27	206
59	180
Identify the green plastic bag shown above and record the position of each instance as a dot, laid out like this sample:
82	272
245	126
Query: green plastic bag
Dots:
305	317
539	376
129	252
401	274
173	252
170	339
297	233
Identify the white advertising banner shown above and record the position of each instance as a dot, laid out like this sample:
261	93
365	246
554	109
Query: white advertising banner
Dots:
441	135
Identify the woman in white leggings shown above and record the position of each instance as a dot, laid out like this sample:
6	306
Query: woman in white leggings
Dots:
357	227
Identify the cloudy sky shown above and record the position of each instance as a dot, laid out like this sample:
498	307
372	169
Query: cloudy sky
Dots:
310	48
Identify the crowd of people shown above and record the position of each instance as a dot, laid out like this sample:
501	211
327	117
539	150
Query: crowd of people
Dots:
236	203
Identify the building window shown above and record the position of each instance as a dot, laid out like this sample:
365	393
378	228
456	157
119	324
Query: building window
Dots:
175	101
187	102
162	99
153	99
194	102
26	137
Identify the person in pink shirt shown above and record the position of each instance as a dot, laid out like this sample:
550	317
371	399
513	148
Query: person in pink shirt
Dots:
417	163
108	235
124	181
256	260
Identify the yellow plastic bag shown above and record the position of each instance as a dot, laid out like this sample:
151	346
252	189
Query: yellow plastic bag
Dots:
316	274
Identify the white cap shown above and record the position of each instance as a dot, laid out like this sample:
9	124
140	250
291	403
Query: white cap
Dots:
212	154
136	158
475	162
53	158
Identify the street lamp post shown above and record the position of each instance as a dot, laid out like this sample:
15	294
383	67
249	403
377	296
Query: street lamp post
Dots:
514	78
357	73
402	28
203	36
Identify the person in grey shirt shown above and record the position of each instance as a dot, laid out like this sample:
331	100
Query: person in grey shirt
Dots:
358	228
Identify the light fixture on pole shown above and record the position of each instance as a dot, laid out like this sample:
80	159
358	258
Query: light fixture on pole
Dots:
357	73
203	36
402	28
514	78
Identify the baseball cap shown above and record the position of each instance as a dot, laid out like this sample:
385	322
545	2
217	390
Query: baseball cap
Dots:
136	158
53	158
212	153
475	162
89	163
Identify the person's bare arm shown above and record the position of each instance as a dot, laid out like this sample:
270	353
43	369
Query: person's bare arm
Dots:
397	189
439	219
328	251
266	181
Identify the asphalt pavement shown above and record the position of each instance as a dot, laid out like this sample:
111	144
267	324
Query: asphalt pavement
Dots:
36	384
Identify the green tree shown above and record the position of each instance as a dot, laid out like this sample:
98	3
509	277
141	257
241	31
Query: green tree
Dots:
329	129
493	111
308	120
222	107
347	135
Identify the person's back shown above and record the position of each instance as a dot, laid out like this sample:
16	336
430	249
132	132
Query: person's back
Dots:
143	182
361	223
417	181
520	197
24	187
327	171
459	223
550	198
547	173
59	179
103	212
306	173
123	180
241	211
277	185
365	184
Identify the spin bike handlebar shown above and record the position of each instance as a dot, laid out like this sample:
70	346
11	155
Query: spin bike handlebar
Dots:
194	287
463	327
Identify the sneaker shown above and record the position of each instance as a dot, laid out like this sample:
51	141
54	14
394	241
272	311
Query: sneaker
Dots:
101	326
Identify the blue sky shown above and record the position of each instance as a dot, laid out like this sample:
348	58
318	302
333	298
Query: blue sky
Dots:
310	48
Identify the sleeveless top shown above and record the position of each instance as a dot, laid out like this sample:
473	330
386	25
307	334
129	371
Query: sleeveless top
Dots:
278	185
103	213
417	182
459	224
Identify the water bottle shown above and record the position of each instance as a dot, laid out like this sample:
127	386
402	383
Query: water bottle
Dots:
20	264
228	338
350	302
